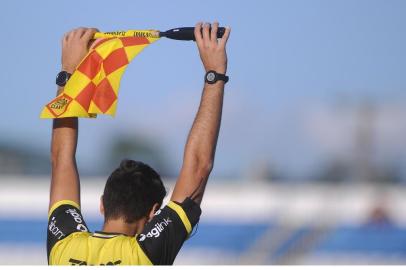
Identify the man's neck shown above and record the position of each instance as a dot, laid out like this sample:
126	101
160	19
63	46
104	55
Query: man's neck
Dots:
120	226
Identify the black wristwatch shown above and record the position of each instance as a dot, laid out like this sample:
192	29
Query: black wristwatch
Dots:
62	78
212	77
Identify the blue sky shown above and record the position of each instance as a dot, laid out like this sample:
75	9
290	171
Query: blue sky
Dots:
286	59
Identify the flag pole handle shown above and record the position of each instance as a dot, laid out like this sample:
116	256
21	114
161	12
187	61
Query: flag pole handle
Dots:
187	33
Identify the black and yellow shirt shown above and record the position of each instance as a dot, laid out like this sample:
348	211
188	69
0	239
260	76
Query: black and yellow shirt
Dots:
69	241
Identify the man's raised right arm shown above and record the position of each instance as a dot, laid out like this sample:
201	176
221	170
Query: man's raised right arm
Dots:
201	144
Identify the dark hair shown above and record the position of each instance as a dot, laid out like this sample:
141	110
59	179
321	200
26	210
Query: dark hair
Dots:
131	191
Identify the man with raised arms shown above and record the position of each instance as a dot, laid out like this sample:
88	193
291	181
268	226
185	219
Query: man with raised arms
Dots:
136	229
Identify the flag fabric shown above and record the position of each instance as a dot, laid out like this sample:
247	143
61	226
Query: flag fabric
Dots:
94	85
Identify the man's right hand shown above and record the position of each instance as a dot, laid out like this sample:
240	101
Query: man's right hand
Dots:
212	50
75	46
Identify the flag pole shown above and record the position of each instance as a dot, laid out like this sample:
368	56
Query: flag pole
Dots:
181	33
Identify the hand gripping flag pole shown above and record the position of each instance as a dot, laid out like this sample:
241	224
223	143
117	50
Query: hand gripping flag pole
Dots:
94	85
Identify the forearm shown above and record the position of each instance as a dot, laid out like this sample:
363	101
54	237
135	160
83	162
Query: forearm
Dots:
201	144
64	141
65	179
64	138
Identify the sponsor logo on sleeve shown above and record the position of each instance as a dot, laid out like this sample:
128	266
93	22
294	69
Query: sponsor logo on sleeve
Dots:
78	219
156	231
55	230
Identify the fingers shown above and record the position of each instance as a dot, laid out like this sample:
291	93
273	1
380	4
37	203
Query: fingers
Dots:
206	34
89	33
68	35
65	38
198	34
224	39
88	36
80	33
213	34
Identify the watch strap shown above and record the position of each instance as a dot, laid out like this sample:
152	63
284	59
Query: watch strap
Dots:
222	77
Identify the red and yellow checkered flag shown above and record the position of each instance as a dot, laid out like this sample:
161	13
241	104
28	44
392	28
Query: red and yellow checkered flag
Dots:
93	87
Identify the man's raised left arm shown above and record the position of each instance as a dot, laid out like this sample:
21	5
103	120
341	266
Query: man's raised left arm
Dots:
65	177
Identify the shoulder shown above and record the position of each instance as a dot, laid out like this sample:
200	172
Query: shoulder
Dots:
64	218
74	243
163	236
64	222
62	204
188	211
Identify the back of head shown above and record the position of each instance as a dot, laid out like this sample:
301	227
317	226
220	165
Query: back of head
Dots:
131	191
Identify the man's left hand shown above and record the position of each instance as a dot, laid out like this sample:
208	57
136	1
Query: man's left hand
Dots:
75	45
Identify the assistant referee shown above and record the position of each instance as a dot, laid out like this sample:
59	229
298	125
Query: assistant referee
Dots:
137	229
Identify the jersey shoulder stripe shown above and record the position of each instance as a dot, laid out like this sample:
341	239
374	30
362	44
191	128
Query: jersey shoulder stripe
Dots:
181	213
59	203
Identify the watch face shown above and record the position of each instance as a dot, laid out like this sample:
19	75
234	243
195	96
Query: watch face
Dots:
62	78
210	76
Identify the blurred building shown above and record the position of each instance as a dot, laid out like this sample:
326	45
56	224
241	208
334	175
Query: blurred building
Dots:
243	222
18	160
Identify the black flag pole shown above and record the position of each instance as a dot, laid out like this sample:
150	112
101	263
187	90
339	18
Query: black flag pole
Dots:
186	33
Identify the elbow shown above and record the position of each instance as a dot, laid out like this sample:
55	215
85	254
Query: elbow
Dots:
60	159
54	157
204	167
200	163
209	166
55	160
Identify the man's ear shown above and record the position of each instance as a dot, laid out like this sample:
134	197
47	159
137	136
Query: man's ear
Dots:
101	206
153	210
